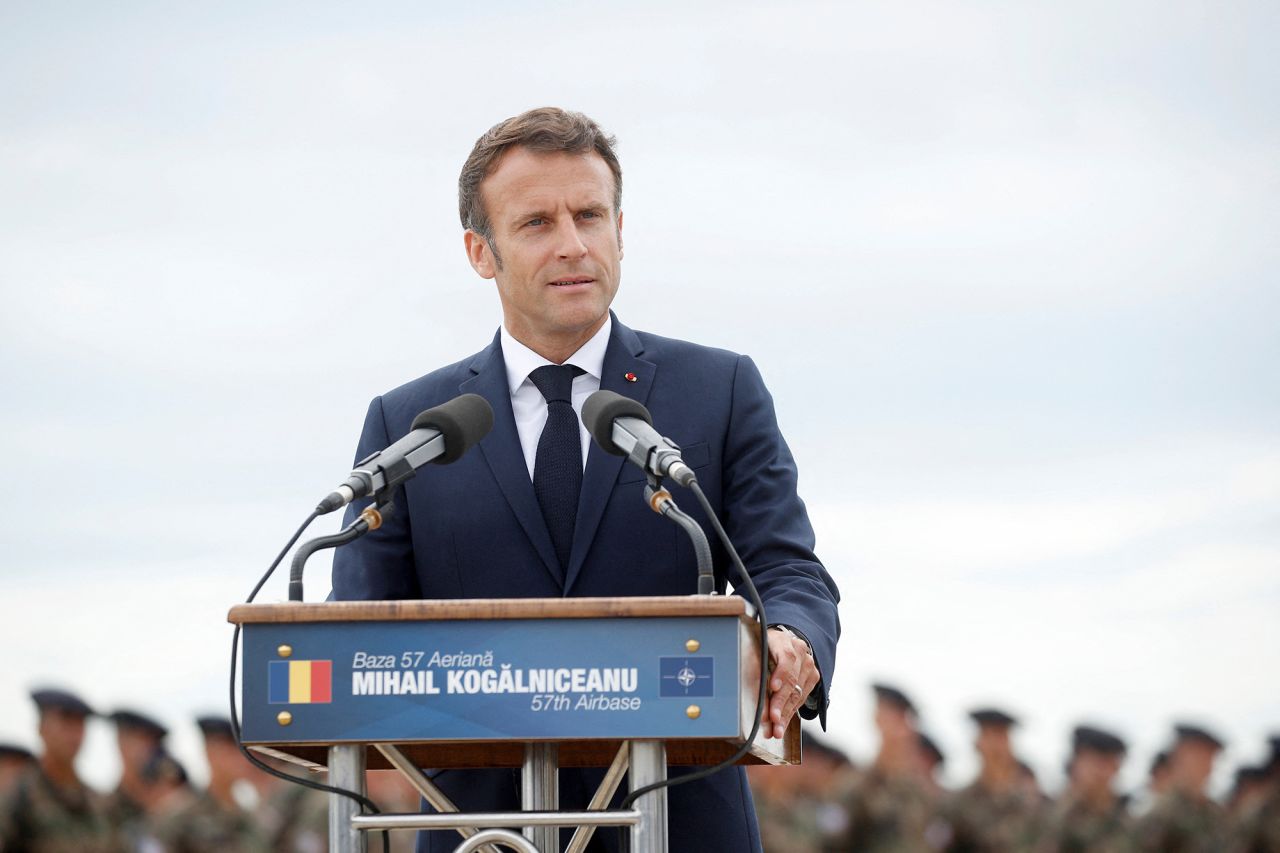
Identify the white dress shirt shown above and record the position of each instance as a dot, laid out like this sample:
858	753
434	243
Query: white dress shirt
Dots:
527	402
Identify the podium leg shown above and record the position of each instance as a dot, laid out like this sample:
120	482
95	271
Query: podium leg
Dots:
346	770
540	791
649	765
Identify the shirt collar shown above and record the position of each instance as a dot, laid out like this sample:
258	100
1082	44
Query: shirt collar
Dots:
521	361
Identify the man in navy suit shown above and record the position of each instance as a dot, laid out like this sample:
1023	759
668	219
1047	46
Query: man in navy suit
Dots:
537	511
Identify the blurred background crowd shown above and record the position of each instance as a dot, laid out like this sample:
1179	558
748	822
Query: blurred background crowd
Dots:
895	803
155	807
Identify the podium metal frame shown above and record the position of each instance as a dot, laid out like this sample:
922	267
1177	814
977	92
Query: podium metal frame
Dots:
643	761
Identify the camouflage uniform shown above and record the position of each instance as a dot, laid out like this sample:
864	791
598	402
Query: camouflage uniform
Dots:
127	818
788	826
206	826
40	817
1074	826
887	814
985	821
295	819
1259	830
1179	823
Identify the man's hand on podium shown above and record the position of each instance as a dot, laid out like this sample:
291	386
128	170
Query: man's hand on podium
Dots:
793	675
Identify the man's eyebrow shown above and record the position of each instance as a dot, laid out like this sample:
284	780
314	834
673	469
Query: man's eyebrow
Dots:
543	213
521	218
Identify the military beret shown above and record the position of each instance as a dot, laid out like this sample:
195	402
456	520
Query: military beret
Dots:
1097	740
992	717
1185	732
127	719
1245	775
12	750
215	726
47	698
164	767
893	696
931	749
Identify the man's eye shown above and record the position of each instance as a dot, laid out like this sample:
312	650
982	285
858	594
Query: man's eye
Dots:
589	214
537	220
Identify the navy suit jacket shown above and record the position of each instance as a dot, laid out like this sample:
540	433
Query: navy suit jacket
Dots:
473	529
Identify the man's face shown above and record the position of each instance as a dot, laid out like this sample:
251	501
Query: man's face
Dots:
62	733
993	743
1093	771
226	762
136	748
894	723
1192	764
558	242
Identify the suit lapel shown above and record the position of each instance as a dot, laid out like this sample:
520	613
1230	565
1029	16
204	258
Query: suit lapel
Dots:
501	450
622	357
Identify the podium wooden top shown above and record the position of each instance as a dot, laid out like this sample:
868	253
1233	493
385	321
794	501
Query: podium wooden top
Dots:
490	608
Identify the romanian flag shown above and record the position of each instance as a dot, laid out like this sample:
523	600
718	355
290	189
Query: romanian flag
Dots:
295	682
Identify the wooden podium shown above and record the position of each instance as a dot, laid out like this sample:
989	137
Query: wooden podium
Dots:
624	683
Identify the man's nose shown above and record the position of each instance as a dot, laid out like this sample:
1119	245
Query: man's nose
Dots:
569	244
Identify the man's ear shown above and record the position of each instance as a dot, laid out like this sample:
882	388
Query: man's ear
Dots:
619	235
479	254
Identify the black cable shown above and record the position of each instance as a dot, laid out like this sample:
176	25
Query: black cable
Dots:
350	533
763	695
701	548
365	803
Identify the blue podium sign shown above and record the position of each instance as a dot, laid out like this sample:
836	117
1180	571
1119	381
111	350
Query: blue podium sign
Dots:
495	679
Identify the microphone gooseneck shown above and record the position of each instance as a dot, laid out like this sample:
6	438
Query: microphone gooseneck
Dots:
661	502
370	519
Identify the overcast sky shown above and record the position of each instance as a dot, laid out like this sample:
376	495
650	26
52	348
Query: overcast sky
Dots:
1010	271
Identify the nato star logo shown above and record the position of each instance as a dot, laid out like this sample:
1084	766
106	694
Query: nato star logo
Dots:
687	676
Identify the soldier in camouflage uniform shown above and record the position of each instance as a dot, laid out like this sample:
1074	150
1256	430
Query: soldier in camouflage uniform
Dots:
890	806
1184	819
786	823
213	822
995	814
50	810
1158	777
295	819
800	809
1258	829
1249	790
14	761
1089	817
139	738
168	791
931	762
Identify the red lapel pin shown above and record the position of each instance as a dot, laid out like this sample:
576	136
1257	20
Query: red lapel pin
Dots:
630	377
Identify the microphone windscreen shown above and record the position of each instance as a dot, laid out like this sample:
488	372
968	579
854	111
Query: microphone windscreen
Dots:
463	421
602	409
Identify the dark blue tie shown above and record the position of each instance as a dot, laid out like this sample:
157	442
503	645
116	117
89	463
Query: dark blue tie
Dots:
557	469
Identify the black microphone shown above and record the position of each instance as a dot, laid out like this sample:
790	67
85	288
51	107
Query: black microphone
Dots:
624	427
439	435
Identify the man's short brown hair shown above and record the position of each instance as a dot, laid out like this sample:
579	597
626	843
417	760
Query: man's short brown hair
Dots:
545	129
